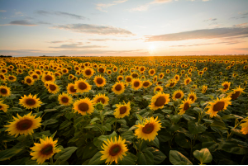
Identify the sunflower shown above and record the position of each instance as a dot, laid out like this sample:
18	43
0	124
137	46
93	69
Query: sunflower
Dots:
122	110
177	78
161	76
35	76
171	84
136	84
99	81
83	106
113	150
52	87
101	98
167	71
244	126
82	86
204	88
218	105
159	100
146	83
65	99
119	78
187	81
236	93
30	102
28	80
88	72
3	107
11	78
128	79
148	129
101	70
155	78
177	95
158	89
185	106
5	91
48	77
226	86
71	89
23	125
151	72
142	69
118	88
64	71
109	72
192	97
44	150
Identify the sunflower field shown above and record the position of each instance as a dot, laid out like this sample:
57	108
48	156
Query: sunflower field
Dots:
124	110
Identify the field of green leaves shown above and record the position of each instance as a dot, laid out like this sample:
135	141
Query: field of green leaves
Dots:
124	110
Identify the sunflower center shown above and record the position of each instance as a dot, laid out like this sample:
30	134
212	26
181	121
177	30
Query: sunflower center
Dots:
101	70
152	72
64	99
48	78
235	95
123	109
52	87
225	87
72	89
4	91
114	150
99	80
160	101
35	77
82	85
128	79
64	71
187	81
24	124
1	76
30	102
158	89
172	84
88	72
118	87
84	107
47	150
120	78
134	75
178	95
29	81
102	100
11	78
148	128
142	69
192	98
136	84
219	106
186	106
1	107
146	84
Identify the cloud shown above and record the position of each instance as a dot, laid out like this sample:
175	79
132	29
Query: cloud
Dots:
243	25
201	34
101	6
44	23
204	44
240	15
211	19
107	39
147	5
2	11
94	29
21	22
75	16
79	45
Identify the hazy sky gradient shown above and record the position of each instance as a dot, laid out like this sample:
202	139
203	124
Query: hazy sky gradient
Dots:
123	27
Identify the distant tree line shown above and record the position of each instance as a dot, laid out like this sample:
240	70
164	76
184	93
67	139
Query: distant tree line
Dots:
5	56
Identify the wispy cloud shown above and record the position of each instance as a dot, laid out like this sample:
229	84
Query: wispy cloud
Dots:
108	39
147	5
204	44
102	6
2	11
210	19
22	22
94	29
77	46
59	13
202	34
240	15
43	23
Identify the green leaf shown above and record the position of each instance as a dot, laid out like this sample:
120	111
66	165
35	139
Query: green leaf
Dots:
65	154
140	118
177	158
96	159
129	159
94	119
15	109
107	127
233	147
182	141
49	122
65	124
128	135
166	111
50	110
175	118
204	156
156	142
8	153
212	146
196	128
145	157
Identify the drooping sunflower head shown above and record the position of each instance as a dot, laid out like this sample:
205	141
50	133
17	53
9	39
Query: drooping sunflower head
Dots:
226	86
236	93
23	125
83	106
65	99
118	88
122	110
178	95
82	86
159	100
158	89
44	150
244	126
88	72
148	129
52	87
99	81
204	88
146	83
185	106
218	105
3	107
192	97
101	98
136	84
71	89
113	150
28	80
30	102
5	91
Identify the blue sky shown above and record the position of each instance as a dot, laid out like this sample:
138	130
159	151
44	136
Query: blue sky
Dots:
123	27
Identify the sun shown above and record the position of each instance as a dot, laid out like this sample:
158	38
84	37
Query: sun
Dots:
152	48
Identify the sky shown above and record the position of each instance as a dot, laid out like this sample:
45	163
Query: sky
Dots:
123	27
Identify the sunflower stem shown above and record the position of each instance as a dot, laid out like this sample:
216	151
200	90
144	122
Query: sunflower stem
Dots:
51	160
